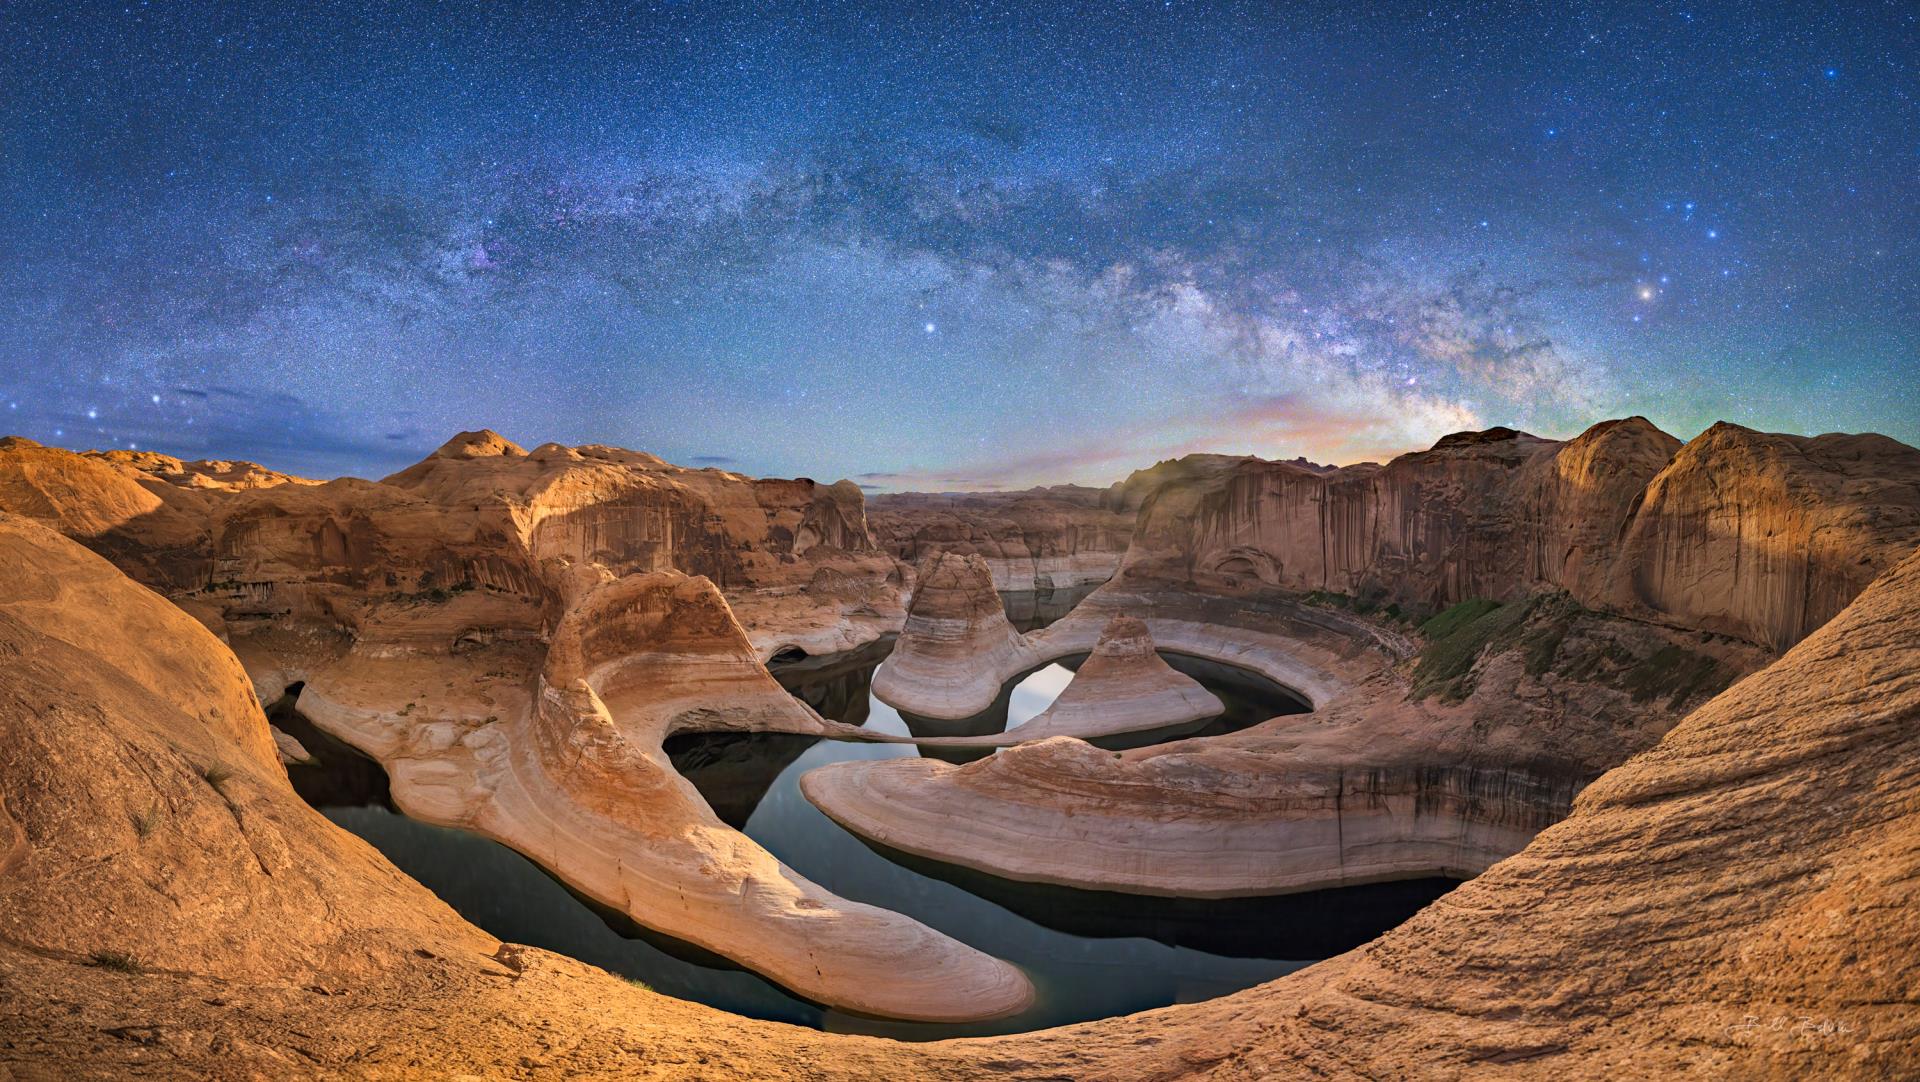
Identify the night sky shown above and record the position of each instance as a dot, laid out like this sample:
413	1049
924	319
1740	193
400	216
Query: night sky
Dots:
965	245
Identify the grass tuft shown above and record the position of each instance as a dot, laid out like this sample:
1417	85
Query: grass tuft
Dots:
118	961
217	774
147	821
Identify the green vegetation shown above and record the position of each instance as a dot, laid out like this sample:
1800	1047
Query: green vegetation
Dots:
638	983
1457	617
1364	606
1676	673
1541	629
1455	640
118	961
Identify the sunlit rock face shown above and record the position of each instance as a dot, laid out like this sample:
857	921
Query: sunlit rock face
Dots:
510	634
1750	534
481	540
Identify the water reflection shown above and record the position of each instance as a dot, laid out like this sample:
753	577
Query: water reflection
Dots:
1090	955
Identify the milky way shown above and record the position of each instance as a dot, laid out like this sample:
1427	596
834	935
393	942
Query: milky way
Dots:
958	246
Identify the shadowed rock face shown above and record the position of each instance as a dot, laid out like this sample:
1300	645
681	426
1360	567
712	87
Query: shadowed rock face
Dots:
1750	534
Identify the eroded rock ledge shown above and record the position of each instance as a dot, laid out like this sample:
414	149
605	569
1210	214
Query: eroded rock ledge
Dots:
573	776
1065	813
1381	781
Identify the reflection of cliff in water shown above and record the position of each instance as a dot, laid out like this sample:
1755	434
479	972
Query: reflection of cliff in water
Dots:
733	771
1031	610
339	775
835	685
1310	924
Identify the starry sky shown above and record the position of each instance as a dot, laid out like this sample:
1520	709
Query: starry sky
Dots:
951	245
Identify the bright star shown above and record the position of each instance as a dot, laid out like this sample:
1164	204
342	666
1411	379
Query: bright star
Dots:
929	328
1646	293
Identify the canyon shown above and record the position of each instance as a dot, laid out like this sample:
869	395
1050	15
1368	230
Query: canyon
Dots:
1657	703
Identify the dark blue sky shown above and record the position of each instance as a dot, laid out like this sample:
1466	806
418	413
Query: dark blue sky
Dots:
957	245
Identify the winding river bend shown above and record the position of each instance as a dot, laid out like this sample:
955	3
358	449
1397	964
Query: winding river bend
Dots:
1090	954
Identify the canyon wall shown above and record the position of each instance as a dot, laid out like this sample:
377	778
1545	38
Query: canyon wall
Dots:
1756	535
480	539
1041	539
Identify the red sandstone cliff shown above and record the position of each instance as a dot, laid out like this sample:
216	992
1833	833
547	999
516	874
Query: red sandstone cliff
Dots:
1757	535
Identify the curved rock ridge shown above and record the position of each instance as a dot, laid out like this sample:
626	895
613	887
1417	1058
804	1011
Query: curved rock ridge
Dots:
1063	812
1733	903
1124	686
1758	535
1379	782
570	772
417	614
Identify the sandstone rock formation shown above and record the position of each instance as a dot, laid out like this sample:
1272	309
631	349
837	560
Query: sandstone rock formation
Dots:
578	782
957	647
1122	687
1042	539
1733	903
1377	783
435	620
1751	534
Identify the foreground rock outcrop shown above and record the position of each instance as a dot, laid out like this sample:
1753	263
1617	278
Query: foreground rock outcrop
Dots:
1736	902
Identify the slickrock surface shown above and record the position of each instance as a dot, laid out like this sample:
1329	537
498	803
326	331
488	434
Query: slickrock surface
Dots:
1736	902
571	773
1751	534
1041	539
957	647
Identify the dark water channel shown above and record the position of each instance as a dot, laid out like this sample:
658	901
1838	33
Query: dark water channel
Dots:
1089	954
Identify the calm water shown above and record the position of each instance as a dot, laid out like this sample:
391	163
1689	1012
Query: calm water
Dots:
1090	955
